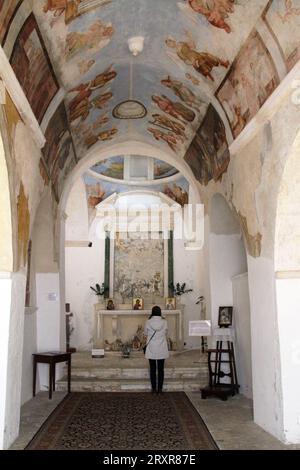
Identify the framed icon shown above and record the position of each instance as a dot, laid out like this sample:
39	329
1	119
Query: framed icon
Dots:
170	303
110	304
225	317
138	303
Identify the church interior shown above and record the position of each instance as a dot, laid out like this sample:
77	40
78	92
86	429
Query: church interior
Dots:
149	156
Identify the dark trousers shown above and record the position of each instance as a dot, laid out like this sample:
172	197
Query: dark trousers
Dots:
159	365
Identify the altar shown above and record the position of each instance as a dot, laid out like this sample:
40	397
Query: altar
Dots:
113	326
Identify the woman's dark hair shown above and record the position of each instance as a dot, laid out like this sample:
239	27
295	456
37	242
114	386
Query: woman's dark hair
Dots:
156	311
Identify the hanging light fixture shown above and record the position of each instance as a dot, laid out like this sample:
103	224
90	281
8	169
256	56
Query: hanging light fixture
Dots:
131	109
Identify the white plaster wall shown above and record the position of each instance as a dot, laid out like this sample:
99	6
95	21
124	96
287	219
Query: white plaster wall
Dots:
288	301
29	347
227	258
84	268
14	359
242	324
189	268
77	213
48	321
266	369
5	295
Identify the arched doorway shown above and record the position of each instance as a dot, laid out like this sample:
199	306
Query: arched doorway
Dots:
79	234
229	282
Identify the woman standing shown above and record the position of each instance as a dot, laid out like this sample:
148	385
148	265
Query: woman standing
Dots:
156	330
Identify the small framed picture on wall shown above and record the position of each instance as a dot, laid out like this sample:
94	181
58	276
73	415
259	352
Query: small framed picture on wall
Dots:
170	303
138	303
225	317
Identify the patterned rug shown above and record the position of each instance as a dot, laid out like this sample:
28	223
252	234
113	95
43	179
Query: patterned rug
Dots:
123	421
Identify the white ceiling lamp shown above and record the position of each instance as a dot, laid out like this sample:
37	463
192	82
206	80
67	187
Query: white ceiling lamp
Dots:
136	45
131	108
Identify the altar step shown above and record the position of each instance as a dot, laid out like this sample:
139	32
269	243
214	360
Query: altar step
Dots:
185	371
84	384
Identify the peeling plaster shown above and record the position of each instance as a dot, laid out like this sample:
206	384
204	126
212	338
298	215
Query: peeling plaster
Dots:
23	226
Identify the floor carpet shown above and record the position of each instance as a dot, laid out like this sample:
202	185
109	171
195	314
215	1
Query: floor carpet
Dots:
123	421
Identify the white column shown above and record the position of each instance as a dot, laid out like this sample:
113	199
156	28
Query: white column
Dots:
5	294
266	368
288	308
12	292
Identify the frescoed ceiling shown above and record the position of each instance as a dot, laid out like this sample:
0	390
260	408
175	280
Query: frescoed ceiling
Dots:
205	68
187	53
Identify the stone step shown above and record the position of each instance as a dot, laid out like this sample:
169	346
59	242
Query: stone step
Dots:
85	384
178	373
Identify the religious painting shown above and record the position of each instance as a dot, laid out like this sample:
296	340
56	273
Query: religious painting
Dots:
216	12
33	69
8	10
112	167
58	139
176	109
138	267
94	39
178	191
170	303
183	92
72	9
58	151
202	62
172	127
283	19
163	169
225	317
208	155
83	99
249	83
171	139
138	303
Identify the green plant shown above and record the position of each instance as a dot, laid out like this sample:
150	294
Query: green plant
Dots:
179	289
99	290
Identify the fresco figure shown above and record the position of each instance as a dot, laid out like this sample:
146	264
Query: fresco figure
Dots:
97	36
168	124
183	92
215	11
72	8
102	136
85	89
171	139
176	193
174	109
202	62
101	101
290	11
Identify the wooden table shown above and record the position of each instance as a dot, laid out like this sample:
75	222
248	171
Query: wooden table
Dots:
51	358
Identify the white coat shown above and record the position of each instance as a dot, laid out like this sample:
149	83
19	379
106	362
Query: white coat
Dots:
158	346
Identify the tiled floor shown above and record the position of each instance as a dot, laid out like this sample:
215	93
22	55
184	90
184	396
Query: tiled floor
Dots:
33	414
230	423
